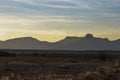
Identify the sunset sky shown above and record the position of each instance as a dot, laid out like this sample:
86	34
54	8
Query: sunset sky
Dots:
52	20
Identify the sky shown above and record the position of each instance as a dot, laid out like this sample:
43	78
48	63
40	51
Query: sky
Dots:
53	20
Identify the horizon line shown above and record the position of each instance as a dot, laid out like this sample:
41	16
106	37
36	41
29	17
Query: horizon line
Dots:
60	39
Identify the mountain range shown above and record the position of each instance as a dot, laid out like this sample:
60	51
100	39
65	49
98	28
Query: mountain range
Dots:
89	42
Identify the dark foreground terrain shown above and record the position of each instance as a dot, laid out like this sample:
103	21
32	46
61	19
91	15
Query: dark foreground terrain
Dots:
59	65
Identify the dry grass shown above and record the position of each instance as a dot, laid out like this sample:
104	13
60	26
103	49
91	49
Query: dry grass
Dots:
59	67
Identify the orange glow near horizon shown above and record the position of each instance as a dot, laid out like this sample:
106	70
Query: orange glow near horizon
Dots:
52	36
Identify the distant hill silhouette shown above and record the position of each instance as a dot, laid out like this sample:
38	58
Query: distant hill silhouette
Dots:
24	43
89	42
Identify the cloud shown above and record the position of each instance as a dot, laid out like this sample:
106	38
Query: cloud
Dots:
23	0
54	7
10	19
65	4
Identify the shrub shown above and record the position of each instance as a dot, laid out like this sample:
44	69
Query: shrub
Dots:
6	54
102	56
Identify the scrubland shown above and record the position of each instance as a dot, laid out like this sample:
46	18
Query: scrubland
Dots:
76	66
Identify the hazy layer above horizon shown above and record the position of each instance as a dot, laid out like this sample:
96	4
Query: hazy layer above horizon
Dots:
52	20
